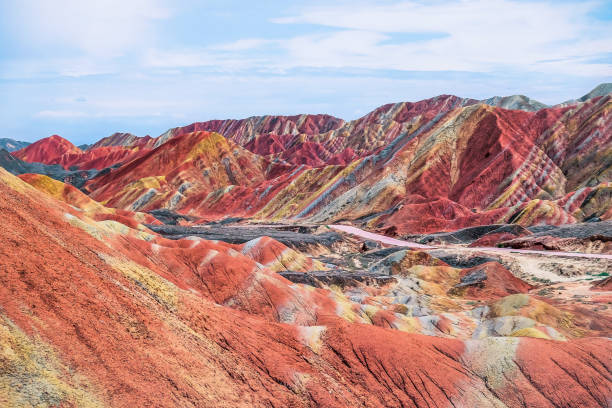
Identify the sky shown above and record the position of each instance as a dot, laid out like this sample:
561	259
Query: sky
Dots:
85	70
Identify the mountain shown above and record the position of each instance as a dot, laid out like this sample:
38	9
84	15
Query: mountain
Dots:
599	90
57	150
439	164
435	165
189	170
222	263
123	139
11	145
47	150
100	311
515	102
292	136
75	177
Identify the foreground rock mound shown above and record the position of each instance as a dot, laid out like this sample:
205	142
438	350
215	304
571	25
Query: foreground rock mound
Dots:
96	315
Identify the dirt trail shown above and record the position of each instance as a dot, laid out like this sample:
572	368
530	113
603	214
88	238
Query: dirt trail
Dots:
392	241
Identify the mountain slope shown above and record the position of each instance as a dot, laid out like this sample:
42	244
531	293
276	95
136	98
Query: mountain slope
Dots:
439	164
599	90
15	166
180	173
11	145
515	102
435	165
47	150
57	150
123	139
96	315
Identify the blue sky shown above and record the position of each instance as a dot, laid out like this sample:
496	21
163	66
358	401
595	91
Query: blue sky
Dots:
87	69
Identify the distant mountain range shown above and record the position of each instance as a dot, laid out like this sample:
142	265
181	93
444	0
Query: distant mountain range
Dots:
434	165
11	145
251	263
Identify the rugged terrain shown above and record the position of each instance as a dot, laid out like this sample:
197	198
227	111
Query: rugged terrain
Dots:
436	165
448	252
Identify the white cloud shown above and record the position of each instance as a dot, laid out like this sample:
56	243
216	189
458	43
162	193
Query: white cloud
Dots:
114	36
60	114
479	35
74	67
202	57
178	58
108	107
242	45
101	28
457	35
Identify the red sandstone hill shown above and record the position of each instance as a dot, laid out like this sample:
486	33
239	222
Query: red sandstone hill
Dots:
436	165
57	150
186	170
95	314
124	139
47	149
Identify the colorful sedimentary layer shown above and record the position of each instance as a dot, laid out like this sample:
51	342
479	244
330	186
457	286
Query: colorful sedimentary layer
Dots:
124	139
195	170
57	150
435	165
278	257
100	312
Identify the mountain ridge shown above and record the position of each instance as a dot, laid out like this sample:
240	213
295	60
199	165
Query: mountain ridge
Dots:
11	145
520	102
240	268
434	165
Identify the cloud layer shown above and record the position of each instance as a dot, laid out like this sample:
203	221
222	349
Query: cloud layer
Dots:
68	65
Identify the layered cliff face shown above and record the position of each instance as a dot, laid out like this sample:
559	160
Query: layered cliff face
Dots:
57	150
436	165
97	310
186	172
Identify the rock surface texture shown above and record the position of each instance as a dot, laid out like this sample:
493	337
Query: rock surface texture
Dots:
436	165
102	313
443	253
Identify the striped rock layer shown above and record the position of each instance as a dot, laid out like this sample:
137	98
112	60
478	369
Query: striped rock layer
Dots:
57	150
103	312
435	165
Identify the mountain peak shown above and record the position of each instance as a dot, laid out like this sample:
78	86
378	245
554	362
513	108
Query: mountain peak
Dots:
52	146
599	90
121	139
59	140
515	102
11	145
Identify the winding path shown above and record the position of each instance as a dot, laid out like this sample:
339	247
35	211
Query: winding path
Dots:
398	242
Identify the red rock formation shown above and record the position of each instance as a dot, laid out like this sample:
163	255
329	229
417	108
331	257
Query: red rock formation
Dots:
47	150
436	165
118	320
57	150
187	171
490	281
603	284
124	139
